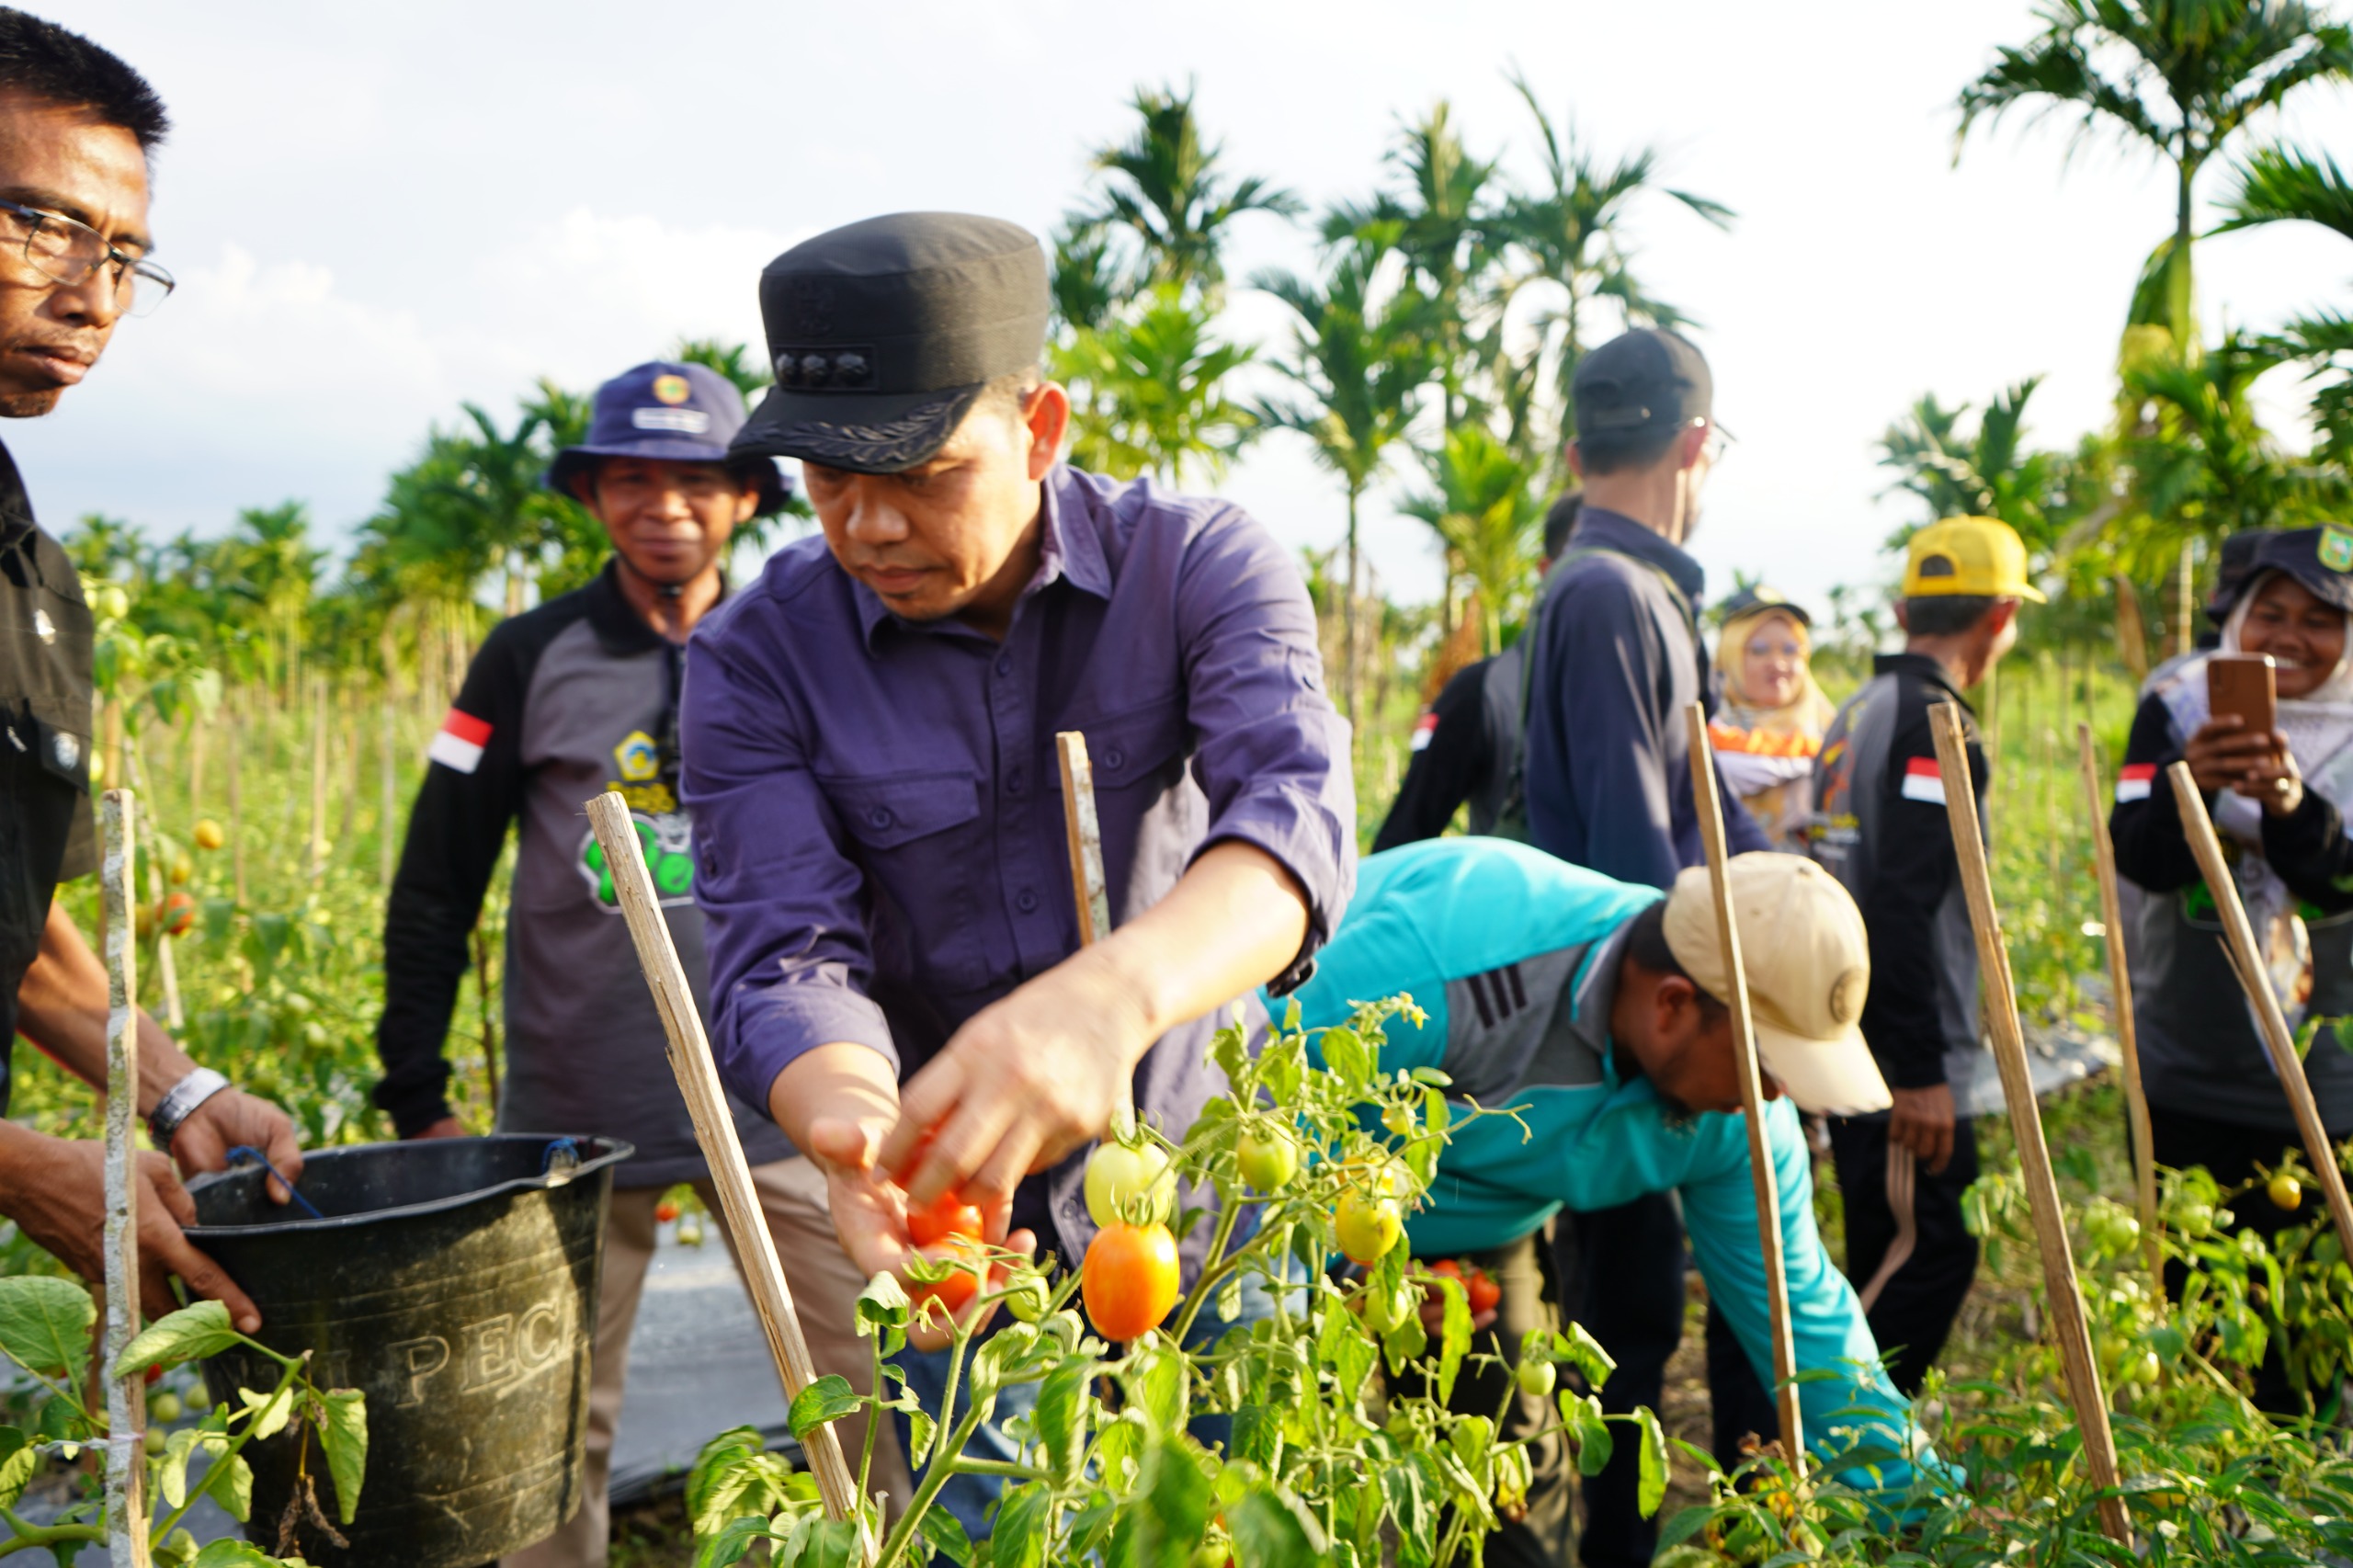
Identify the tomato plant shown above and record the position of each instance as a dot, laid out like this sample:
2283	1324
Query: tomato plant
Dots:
45	1329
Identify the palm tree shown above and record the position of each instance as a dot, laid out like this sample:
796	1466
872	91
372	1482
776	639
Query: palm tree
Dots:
2183	77
1485	515
1987	470
2279	185
1441	224
1361	361
1163	186
1567	230
1157	384
1086	283
734	361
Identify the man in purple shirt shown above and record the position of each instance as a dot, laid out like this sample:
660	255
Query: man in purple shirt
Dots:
869	741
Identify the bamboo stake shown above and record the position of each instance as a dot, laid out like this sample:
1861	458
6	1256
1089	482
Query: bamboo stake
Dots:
2254	979
1083	834
2000	993
1710	812
126	1500
715	1130
390	805
236	815
318	776
2119	987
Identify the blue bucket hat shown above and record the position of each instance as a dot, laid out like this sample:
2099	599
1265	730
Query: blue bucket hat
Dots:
674	412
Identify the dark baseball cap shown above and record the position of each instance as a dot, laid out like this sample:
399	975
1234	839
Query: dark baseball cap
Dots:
673	412
1761	600
885	332
2320	559
1645	379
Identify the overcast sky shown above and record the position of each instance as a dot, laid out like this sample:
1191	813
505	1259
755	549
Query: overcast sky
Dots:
377	211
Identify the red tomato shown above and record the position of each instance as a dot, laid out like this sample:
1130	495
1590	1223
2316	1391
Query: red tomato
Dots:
948	1215
1129	1279
664	1211
1485	1291
1445	1268
179	914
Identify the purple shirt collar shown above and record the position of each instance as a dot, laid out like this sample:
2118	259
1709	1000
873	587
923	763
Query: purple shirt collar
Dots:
1074	555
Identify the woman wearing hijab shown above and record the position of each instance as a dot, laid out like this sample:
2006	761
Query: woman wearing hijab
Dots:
1770	717
2277	801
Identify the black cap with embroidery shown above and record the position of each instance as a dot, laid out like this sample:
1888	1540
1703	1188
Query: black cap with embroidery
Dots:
2320	559
883	334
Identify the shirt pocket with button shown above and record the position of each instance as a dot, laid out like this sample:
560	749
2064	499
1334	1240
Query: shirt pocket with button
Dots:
915	835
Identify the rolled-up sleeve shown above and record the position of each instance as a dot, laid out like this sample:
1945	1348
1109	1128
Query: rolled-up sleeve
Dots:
782	903
1272	753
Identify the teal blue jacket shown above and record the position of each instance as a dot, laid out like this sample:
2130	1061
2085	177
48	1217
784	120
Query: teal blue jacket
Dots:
1513	957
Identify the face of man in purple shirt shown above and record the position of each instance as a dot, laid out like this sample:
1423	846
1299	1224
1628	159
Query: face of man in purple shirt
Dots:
956	536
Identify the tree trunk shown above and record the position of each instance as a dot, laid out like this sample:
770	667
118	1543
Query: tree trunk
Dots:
1348	619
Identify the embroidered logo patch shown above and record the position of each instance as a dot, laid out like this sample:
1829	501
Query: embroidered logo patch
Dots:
2134	781
2336	548
1924	780
43	627
458	742
636	758
68	750
672	389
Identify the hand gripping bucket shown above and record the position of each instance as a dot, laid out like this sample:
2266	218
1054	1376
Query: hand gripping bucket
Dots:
453	1281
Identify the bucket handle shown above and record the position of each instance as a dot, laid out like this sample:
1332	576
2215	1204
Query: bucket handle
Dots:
561	1160
246	1153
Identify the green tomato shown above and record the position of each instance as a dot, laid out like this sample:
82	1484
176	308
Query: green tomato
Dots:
1368	1226
1268	1160
1120	1178
1382	1310
2144	1369
1398	1119
164	1407
1537	1378
1472	1438
2286	1192
112	604
2196	1218
1026	1300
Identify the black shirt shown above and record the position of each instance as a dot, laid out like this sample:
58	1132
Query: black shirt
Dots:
1462	759
47	832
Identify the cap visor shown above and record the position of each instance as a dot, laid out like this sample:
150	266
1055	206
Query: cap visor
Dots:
775	490
863	432
1827	1077
2033	595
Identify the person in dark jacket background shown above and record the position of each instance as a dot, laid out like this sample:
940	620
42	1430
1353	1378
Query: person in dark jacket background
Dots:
575	696
1616	660
1881	825
1466	748
2277	801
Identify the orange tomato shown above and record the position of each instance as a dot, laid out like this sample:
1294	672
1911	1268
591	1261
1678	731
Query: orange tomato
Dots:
178	914
664	1211
1485	1291
947	1215
1129	1279
960	1286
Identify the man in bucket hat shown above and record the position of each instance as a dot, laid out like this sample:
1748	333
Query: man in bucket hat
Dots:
573	697
1595	1012
871	756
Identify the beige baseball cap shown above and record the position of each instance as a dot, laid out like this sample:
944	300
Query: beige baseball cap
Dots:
1809	966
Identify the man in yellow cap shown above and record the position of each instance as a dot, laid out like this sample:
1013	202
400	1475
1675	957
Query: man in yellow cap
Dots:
1595	1011
1881	826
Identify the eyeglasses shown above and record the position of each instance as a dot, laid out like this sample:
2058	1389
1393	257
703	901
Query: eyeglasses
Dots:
68	251
1719	439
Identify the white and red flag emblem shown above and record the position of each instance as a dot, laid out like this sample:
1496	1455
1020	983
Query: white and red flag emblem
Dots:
2136	781
1924	780
458	743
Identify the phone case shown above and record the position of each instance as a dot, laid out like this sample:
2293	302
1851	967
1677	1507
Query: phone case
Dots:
2244	684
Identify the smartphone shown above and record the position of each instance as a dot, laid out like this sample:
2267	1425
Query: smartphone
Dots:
2243	684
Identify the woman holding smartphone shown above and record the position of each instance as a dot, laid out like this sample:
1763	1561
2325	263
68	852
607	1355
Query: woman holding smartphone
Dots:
2279	793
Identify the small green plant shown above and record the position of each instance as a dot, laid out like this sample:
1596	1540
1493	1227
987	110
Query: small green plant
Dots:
45	1329
1322	1462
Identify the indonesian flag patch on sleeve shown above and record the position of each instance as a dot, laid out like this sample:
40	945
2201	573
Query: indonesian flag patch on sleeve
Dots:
458	743
1422	731
1924	780
2133	783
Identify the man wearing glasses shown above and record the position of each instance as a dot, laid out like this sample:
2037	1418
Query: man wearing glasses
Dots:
1616	659
76	125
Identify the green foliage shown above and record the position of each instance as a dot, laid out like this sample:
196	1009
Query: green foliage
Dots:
1323	1464
45	1327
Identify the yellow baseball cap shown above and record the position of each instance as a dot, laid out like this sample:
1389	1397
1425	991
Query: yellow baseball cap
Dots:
1809	966
1982	556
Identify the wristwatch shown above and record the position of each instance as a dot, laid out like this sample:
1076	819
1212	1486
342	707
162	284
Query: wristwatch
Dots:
179	1103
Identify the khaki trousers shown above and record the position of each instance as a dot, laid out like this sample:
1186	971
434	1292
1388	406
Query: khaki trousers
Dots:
824	1283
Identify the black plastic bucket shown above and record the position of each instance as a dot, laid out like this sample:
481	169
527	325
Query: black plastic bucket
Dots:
453	1280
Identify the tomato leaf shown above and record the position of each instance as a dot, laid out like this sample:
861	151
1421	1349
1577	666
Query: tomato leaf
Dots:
234	1553
45	1324
1584	1352
827	1400
229	1483
1171	1517
732	1542
1651	1489
1454	1336
1018	1535
945	1535
1345	1056
17	1460
189	1334
1345	1347
1582	1414
1060	1419
343	1432
1270	1529
270	1411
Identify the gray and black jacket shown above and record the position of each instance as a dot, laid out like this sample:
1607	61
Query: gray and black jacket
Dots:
2199	1051
561	703
1881	827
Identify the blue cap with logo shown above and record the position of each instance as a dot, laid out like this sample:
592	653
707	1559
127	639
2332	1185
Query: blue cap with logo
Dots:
674	412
